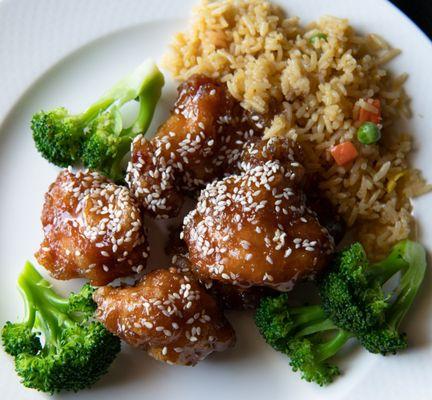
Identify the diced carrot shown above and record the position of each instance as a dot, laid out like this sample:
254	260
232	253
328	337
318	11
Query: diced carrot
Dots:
369	116
344	153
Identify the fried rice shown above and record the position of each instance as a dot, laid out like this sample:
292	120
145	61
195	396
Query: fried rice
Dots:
313	90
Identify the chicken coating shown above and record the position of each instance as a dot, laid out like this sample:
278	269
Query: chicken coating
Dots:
229	297
93	229
202	139
168	314
255	228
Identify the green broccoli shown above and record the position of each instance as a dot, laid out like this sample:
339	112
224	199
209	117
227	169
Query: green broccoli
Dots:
76	350
354	305
353	297
97	138
82	301
305	334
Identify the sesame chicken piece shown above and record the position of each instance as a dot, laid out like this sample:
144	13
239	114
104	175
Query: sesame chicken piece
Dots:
202	140
168	314
229	297
255	228
93	229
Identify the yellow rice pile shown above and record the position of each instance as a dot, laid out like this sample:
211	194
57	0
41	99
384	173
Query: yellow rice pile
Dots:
267	59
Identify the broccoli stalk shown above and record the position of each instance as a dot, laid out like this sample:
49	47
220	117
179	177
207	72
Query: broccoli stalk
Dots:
304	334
97	137
77	350
354	299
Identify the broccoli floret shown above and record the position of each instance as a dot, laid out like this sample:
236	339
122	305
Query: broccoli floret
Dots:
19	338
304	334
308	358
353	297
386	340
106	146
97	138
77	350
83	301
58	136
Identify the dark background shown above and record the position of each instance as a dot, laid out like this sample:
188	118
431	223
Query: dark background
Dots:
420	11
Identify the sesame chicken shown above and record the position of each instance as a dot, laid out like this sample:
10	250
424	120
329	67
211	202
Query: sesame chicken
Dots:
229	297
93	229
254	228
168	314
202	140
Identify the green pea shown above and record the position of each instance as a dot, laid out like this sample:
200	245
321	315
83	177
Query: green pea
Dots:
368	133
317	36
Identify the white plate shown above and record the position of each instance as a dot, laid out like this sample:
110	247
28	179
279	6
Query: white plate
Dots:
60	52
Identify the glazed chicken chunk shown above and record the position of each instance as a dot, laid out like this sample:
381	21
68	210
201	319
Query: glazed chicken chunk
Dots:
229	297
254	228
93	229
168	314
202	139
